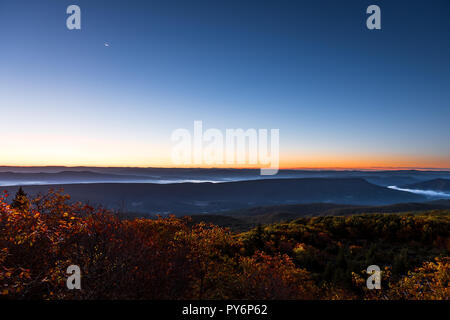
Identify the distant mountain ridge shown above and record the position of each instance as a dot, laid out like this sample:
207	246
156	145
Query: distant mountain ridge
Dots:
182	198
27	178
59	175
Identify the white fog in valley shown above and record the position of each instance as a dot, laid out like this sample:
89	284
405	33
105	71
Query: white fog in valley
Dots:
429	193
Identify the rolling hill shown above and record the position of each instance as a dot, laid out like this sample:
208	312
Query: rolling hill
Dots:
184	198
244	219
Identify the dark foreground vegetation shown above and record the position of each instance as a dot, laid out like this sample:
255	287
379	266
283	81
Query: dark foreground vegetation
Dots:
171	258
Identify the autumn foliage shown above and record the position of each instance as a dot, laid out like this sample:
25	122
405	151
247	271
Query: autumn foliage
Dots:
131	259
169	258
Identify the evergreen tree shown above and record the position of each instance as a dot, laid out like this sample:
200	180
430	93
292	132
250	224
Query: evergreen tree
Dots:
400	265
259	242
341	259
370	255
329	272
21	202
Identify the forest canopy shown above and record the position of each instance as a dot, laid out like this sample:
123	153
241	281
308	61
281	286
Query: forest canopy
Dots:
172	258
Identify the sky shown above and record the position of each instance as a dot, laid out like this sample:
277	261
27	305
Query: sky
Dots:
112	93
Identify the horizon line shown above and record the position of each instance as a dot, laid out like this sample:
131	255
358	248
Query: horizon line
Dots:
241	168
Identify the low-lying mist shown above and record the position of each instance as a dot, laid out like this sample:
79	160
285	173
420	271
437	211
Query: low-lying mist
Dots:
428	193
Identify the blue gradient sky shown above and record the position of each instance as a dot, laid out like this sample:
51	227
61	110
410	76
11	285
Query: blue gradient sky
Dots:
341	95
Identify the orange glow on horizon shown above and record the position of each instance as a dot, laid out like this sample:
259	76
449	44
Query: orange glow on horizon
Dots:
48	150
300	165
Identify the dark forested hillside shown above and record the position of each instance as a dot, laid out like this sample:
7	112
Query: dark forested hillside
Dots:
189	198
243	219
334	247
